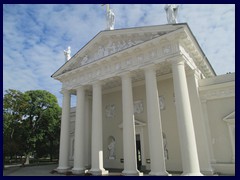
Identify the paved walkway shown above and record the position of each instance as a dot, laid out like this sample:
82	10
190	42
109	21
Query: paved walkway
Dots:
46	170
43	170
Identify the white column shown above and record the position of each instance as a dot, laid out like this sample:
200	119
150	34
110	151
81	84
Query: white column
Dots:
129	139
87	148
199	125
154	125
188	146
64	137
78	167
97	149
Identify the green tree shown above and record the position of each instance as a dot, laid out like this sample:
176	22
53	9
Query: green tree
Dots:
36	115
43	121
14	103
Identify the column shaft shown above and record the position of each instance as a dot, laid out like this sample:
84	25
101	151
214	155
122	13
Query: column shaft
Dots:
129	139
199	126
97	149
78	167
64	136
154	125
188	146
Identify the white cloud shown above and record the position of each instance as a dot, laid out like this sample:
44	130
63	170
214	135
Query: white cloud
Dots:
34	36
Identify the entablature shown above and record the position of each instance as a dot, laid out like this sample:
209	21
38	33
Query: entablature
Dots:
217	91
131	59
154	48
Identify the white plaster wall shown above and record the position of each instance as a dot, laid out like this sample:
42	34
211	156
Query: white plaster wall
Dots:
169	125
168	118
217	110
218	100
110	128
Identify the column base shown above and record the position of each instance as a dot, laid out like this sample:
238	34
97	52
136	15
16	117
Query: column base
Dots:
62	169
192	174
132	173
79	171
213	161
207	172
98	172
159	173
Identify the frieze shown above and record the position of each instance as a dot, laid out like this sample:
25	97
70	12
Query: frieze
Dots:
218	93
167	49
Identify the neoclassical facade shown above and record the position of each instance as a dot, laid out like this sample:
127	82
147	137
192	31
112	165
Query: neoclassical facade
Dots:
147	99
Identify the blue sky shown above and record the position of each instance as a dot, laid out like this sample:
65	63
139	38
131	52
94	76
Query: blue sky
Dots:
34	36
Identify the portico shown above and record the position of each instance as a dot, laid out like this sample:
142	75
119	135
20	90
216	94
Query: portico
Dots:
144	56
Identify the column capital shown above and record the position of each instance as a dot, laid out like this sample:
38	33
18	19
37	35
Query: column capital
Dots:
126	75
64	91
176	60
97	83
149	68
80	87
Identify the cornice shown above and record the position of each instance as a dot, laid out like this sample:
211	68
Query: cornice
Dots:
217	91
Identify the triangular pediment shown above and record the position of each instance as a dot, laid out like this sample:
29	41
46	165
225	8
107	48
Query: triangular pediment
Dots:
108	42
137	123
230	118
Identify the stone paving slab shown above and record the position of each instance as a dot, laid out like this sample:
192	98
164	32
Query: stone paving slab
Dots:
43	170
48	170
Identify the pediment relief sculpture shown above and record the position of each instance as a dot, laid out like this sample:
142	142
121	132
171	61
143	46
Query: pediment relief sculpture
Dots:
112	47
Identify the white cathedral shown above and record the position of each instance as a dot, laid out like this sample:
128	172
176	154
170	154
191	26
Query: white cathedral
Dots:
147	100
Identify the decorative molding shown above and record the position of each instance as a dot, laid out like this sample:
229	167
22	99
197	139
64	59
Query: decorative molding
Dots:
110	110
137	123
152	52
167	49
218	93
162	102
114	46
138	107
145	53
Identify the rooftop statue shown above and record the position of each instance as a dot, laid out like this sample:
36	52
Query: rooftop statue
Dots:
172	11
110	20
110	17
67	53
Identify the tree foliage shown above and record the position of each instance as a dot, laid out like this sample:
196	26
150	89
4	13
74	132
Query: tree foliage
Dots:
31	123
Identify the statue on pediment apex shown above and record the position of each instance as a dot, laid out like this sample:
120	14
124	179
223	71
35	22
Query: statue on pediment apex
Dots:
67	54
172	11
